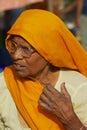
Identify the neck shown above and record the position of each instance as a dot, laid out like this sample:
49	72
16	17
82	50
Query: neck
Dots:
49	76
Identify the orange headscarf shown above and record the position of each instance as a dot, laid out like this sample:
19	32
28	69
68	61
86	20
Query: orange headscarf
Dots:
51	38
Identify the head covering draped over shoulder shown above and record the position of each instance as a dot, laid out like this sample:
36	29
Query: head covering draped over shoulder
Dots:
51	38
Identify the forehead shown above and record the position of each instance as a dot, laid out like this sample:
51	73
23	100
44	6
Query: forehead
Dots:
19	40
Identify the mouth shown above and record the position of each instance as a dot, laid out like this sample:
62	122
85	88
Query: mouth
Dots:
18	67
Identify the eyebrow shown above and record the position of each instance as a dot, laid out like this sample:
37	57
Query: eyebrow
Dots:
29	45
13	41
23	45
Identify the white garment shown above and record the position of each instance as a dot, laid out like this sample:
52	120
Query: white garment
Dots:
8	110
76	85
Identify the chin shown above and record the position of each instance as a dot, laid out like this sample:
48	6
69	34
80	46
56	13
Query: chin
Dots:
21	74
24	74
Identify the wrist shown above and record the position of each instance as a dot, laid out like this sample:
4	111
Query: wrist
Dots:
73	123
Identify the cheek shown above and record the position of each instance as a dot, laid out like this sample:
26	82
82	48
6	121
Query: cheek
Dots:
35	65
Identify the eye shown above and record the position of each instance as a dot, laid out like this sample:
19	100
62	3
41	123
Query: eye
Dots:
14	44
25	48
11	45
28	49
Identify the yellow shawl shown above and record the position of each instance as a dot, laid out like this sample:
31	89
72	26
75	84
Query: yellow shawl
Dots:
51	38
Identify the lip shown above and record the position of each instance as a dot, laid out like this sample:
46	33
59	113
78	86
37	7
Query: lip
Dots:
18	66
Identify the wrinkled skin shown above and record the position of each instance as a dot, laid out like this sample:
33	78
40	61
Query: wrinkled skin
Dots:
26	67
58	103
33	66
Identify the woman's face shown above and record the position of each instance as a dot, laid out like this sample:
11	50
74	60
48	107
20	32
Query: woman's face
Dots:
27	62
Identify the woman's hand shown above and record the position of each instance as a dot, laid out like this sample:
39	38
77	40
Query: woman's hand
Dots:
58	103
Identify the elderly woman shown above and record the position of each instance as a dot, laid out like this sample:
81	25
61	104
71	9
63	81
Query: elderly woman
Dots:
46	86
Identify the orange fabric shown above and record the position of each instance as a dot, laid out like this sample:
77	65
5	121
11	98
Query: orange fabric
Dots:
26	95
50	37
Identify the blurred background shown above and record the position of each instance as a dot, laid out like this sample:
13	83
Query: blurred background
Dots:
67	10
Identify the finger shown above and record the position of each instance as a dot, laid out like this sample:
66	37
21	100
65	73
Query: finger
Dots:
44	105
64	90
49	88
44	98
